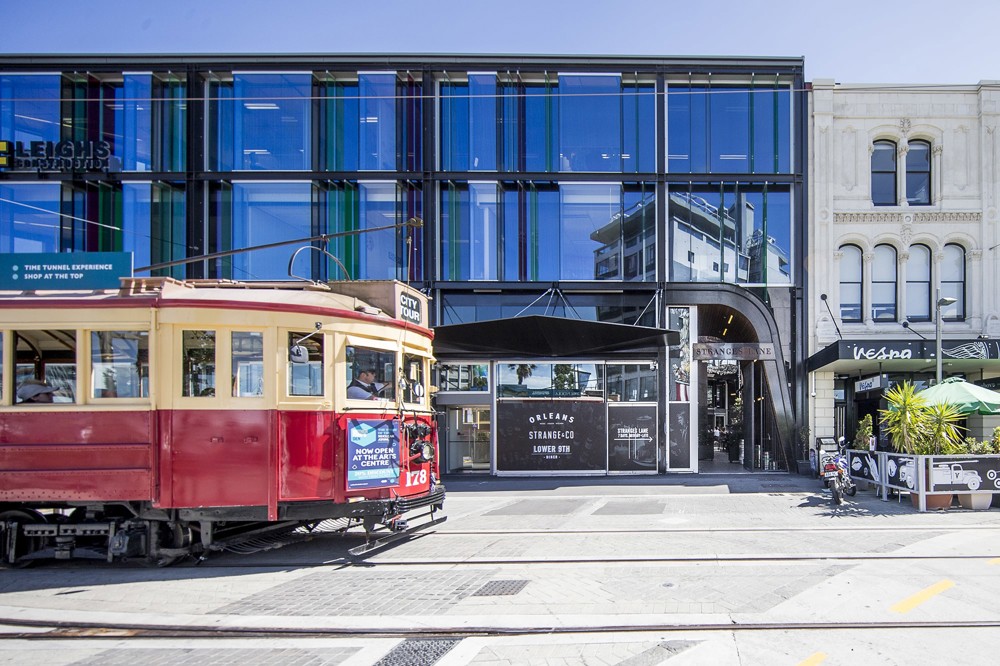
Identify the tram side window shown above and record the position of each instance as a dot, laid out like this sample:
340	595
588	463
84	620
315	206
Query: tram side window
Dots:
46	358
198	357
305	364
413	373
248	364
119	364
370	372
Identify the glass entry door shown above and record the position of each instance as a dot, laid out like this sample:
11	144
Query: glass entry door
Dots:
469	433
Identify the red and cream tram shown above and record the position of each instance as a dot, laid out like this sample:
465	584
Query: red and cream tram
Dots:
170	418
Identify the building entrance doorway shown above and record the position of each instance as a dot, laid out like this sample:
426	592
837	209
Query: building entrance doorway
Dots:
469	429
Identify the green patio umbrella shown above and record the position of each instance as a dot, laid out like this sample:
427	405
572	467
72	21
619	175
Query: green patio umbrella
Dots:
966	397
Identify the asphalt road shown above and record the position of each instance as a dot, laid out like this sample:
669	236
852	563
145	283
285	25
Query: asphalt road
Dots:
734	569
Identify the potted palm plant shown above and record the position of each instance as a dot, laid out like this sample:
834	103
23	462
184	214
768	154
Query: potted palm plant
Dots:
921	429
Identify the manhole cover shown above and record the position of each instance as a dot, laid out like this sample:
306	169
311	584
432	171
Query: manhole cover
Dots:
500	588
417	652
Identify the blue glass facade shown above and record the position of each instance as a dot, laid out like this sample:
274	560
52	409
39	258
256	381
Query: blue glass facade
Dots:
605	183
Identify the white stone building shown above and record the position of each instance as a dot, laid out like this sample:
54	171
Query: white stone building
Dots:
904	187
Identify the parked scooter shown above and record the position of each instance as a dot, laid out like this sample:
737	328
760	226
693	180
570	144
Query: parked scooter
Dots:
837	476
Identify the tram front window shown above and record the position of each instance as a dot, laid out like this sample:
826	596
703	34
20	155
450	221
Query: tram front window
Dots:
414	389
371	374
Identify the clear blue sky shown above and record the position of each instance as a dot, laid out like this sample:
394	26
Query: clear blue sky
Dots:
852	41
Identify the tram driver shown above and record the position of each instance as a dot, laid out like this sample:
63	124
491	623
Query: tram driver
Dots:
364	386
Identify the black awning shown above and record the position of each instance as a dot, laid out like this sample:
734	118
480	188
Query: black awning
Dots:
537	336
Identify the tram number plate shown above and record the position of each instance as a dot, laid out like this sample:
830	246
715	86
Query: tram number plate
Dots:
416	478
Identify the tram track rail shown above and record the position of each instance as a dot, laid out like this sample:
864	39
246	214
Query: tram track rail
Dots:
69	631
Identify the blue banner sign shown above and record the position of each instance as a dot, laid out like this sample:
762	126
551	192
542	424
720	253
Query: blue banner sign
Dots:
64	270
372	453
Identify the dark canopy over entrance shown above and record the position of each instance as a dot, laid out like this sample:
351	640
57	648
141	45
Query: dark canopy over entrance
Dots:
556	337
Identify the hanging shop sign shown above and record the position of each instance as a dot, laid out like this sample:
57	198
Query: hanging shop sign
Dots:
57	156
868	384
735	351
551	435
64	270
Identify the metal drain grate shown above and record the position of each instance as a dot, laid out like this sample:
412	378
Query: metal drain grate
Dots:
417	652
500	588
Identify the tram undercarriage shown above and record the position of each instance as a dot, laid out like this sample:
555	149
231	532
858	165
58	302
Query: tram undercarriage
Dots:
134	531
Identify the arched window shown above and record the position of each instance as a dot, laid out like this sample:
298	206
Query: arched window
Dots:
851	278
918	284
953	281
884	283
918	173
884	173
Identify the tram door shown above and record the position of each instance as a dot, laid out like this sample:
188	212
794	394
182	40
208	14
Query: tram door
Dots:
219	431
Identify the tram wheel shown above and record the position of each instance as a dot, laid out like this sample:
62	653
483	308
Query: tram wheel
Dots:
22	545
171	535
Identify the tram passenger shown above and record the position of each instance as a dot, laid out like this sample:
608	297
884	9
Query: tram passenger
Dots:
35	391
364	386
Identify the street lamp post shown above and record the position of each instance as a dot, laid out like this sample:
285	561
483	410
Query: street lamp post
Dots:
938	304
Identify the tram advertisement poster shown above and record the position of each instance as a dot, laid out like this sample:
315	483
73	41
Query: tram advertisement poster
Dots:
551	435
372	453
632	438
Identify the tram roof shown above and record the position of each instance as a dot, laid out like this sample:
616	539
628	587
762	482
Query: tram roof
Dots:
363	297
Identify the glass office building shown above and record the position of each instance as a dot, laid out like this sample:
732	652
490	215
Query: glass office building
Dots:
638	192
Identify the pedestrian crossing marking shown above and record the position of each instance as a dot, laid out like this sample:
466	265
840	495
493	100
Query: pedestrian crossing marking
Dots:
906	605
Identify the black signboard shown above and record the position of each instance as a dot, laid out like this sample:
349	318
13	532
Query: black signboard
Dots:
551	436
632	439
864	465
965	474
680	436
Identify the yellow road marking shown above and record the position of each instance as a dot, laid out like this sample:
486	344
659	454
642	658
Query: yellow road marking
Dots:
814	659
906	605
995	560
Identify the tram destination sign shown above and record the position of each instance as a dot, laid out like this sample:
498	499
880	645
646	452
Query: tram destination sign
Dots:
733	351
64	270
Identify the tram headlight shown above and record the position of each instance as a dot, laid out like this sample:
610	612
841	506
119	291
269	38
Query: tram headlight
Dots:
423	450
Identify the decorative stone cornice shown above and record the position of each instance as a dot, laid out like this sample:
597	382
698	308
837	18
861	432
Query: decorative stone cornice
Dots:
909	216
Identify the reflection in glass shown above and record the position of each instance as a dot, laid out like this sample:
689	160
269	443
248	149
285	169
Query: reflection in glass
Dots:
584	211
119	364
248	364
29	107
29	219
851	277
918	173
632	382
729	129
154	225
550	380
463	377
305	375
263	213
469	124
883	164
469	242
261	122
953	281
884	283
918	284
198	359
731	233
